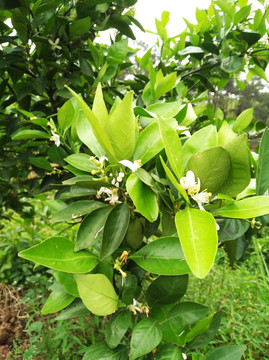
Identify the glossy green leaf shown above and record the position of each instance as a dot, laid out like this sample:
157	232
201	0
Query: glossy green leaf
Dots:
120	128
91	228
243	120
204	338
81	162
80	27
58	253
101	351
198	237
117	52
86	180
237	148
26	134
172	145
97	128
175	321
199	328
66	115
190	50
76	308
145	337
143	197
245	209
163	256
86	135
117	327
115	229
165	84
166	109
212	167
135	233
57	301
169	352
149	143
41	162
201	140
77	191
76	210
97	293
231	64
67	281
262	180
189	117
242	14
231	229
228	352
166	290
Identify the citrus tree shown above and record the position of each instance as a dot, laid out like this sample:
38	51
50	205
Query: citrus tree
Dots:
157	183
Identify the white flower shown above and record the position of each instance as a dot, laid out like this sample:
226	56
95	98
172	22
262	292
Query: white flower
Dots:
133	166
188	183
55	138
112	196
134	307
100	192
54	44
201	198
102	160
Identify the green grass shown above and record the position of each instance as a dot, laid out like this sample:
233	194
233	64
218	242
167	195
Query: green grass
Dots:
242	293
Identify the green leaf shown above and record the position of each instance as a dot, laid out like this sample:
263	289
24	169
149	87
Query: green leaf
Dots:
146	336
66	115
82	162
190	50
237	148
245	209
172	145
198	237
175	321
101	351
165	110
67	281
57	253
135	233
26	134
242	14
166	290
97	128
115	229
86	135
117	327
57	301
228	352
169	352
262	180
165	84
41	162
117	52
143	197
203	339
80	27
97	293
231	229
212	167
91	228
121	127
201	140
243	120
76	308
231	64
149	143
163	256
76	210
189	116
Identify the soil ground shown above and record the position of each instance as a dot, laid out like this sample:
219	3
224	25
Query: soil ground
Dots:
12	318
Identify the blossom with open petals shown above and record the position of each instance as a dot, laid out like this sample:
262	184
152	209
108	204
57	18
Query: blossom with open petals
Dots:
112	196
201	198
132	165
54	44
188	183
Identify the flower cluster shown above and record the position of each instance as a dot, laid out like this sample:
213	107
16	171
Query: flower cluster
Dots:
188	183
